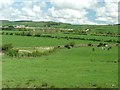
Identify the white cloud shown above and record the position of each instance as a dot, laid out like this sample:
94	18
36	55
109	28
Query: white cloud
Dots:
108	13
71	11
6	2
77	9
68	11
36	8
28	12
112	1
74	4
101	19
100	11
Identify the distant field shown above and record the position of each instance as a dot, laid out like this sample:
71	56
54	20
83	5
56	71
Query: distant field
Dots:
88	36
25	41
95	28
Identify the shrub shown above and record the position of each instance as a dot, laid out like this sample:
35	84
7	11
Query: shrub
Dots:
70	45
11	33
13	52
7	33
37	35
44	85
7	47
90	44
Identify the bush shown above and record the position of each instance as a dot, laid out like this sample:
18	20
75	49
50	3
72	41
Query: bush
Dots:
13	52
7	47
90	44
70	45
37	35
7	33
11	33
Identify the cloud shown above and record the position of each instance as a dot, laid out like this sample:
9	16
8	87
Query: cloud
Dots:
74	4
74	9
67	11
71	11
112	1
36	8
27	10
6	2
108	13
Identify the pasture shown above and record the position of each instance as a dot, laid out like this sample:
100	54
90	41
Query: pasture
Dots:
75	67
24	41
80	67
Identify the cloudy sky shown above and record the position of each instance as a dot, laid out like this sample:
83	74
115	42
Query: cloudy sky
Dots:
67	11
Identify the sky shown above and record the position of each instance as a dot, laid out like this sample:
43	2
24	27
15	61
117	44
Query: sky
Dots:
93	12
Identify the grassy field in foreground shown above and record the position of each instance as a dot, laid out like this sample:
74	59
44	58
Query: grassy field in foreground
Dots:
76	67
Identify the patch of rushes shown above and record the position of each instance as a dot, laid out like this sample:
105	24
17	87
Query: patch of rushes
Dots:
30	52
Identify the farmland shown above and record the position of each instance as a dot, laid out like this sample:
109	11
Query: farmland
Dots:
79	59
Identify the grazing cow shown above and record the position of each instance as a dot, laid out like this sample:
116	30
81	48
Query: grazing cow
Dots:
110	47
93	49
106	45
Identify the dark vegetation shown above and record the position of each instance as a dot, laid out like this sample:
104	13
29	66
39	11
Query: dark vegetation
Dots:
6	47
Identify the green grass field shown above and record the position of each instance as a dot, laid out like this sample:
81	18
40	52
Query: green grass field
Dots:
76	67
24	41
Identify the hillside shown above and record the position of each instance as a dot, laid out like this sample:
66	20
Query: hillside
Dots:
50	24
